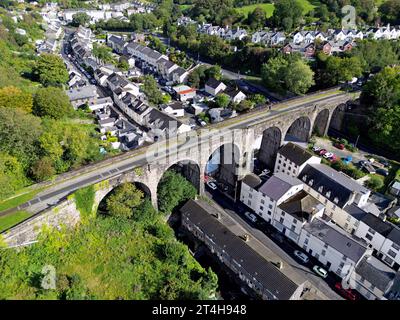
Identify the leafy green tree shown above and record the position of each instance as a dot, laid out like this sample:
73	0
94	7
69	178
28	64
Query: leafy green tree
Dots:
151	90
375	183
257	18
50	70
173	190
102	52
386	129
213	72
390	11
12	97
258	99
19	134
383	91
337	69
222	100
51	102
80	19
287	14
123	200
245	105
287	73
12	175
43	169
123	65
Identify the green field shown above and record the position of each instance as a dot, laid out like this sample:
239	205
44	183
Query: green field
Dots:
269	7
12	219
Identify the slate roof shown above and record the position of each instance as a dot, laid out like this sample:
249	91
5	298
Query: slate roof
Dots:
85	92
301	206
213	83
339	185
355	211
337	239
162	121
276	186
376	273
377	224
267	274
179	71
118	40
295	153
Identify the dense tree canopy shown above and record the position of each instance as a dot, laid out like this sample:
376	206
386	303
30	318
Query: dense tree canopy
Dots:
287	73
152	92
123	200
80	19
50	70
288	14
51	102
12	97
173	190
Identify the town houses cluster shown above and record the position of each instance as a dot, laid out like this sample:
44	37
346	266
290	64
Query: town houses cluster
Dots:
330	216
305	42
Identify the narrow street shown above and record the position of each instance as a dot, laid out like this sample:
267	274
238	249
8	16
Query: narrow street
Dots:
267	236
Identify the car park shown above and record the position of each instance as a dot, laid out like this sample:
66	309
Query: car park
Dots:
252	217
346	293
301	256
320	271
212	185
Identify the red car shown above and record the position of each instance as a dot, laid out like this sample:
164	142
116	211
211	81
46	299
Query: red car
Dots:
322	152
333	158
346	293
339	146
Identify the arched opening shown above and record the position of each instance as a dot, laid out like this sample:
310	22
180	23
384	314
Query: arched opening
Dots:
102	208
338	117
264	157
222	169
321	123
299	131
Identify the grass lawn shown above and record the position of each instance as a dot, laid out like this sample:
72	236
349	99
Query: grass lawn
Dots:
12	219
269	7
185	6
17	200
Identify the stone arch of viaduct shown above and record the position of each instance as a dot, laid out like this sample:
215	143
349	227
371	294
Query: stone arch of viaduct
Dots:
306	120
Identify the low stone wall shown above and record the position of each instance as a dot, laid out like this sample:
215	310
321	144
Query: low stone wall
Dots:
26	232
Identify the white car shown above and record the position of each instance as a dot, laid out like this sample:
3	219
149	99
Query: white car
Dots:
328	155
302	256
212	185
320	271
316	148
250	216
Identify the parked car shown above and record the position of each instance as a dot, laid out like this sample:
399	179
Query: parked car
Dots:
384	162
212	185
302	256
265	172
320	271
333	158
339	146
382	172
346	293
322	152
347	160
316	148
252	217
327	155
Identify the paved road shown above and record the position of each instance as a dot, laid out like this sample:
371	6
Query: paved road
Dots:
284	250
68	183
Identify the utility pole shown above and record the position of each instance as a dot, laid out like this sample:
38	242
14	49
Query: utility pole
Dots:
358	137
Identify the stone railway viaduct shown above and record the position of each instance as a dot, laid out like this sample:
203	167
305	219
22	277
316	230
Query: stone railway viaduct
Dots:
237	145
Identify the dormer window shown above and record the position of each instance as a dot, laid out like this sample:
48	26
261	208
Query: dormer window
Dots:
304	178
320	189
311	182
328	194
336	200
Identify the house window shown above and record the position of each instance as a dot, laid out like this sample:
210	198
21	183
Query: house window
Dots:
283	214
371	231
269	212
341	265
339	271
279	167
369	237
294	221
395	246
293	228
323	252
333	207
262	201
388	260
250	196
305	247
270	206
348	218
316	256
392	253
249	202
306	240
372	287
290	168
281	220
325	246
261	208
